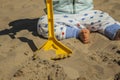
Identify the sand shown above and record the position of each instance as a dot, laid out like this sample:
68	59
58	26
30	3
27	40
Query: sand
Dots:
98	60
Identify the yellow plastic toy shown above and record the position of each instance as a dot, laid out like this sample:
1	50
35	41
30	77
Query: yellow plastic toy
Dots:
52	43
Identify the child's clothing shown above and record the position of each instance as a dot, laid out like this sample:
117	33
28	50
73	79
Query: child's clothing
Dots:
72	32
112	30
64	27
71	6
69	25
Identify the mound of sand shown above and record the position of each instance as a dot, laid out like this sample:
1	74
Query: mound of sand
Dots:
98	60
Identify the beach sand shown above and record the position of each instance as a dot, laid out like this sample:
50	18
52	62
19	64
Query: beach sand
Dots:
98	60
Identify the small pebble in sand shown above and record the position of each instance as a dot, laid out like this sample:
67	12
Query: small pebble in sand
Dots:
117	76
118	51
26	53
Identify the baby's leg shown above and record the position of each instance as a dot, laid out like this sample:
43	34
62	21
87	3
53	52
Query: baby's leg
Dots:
99	21
63	28
42	28
74	29
82	34
113	32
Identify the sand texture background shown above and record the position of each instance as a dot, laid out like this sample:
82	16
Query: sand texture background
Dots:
98	60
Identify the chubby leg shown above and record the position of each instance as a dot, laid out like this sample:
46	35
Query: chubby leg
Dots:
82	34
102	22
113	32
61	23
42	28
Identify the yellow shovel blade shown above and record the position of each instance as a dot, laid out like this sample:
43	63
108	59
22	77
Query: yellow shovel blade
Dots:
52	43
61	50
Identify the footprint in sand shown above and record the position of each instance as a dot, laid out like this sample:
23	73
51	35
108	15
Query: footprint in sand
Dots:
40	70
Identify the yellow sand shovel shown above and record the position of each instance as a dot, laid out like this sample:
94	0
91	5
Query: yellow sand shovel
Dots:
52	43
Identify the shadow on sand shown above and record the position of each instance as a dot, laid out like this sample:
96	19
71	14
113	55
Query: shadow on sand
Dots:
19	25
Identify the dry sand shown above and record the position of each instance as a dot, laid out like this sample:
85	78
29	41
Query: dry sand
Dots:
98	60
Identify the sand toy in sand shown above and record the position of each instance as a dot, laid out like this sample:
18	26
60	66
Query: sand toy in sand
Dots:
52	43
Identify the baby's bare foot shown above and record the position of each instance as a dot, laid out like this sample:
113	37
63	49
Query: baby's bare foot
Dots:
85	36
117	36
